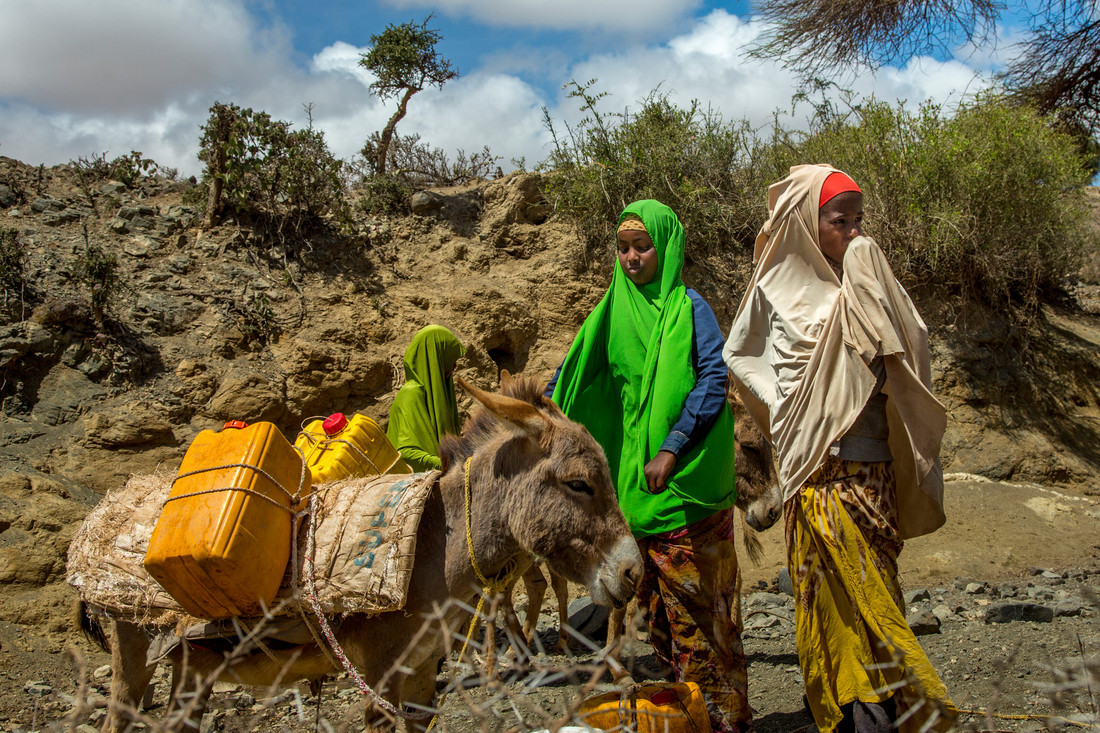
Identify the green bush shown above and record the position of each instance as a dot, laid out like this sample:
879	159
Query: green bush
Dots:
128	169
98	270
421	165
987	201
283	179
12	256
385	194
690	159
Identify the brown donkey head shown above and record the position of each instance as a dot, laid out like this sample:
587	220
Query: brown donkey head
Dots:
758	493
550	488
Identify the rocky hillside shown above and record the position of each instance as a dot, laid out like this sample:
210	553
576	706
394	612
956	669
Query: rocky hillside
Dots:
206	326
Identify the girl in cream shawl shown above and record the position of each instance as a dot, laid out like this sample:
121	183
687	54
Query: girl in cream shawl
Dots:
425	408
831	359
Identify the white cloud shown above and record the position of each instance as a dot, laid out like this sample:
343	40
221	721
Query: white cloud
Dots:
707	64
608	15
129	56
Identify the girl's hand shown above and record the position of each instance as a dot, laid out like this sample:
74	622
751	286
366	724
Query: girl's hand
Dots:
658	470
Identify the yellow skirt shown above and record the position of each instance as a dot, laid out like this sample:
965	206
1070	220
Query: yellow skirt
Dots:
853	641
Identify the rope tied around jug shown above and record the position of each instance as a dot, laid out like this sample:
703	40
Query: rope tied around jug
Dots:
294	499
325	441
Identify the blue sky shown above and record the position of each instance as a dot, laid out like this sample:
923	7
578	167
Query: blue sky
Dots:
78	78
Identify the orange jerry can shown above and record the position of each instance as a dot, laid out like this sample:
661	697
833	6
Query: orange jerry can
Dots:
659	708
338	448
223	553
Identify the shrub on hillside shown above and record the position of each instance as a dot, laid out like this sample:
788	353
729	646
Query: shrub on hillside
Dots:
690	159
98	270
260	169
987	201
421	165
12	256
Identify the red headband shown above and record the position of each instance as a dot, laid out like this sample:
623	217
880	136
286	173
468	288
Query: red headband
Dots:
836	184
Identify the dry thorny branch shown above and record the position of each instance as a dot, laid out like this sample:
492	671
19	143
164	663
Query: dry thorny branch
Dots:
471	696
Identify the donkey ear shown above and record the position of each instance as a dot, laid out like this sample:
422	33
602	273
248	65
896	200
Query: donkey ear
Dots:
518	414
505	378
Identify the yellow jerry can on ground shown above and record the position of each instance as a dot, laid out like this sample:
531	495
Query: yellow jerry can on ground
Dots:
658	708
221	544
337	448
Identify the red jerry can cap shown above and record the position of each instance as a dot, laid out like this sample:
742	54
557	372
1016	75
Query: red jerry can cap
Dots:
235	425
334	423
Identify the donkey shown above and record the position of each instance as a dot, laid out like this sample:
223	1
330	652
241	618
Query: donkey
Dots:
539	485
759	499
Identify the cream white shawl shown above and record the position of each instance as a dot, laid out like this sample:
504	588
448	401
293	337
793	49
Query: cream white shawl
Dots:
802	341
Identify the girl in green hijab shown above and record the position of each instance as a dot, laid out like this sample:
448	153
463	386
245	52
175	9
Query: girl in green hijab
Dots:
645	375
425	408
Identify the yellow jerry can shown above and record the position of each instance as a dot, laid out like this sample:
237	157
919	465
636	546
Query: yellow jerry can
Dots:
337	448
658	708
221	544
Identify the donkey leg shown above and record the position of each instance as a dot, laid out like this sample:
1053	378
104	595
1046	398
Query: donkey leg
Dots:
419	690
130	674
561	593
616	623
534	584
189	698
376	719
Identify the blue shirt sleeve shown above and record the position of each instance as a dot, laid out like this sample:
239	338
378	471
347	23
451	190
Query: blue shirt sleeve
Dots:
708	398
549	391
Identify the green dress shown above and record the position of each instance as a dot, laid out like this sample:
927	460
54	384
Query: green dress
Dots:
425	408
626	378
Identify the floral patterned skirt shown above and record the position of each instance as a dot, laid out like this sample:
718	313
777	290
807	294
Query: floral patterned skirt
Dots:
689	597
853	640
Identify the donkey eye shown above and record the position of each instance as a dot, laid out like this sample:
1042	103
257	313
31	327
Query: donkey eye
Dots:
580	486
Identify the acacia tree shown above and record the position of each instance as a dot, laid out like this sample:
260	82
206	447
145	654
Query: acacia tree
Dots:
1057	69
405	61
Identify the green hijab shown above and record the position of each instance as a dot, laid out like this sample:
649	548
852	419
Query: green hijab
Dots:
425	408
626	378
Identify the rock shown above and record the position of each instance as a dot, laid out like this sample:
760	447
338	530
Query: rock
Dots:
975	588
1018	611
247	396
1072	606
7	196
588	619
916	595
762	598
43	204
113	188
65	216
759	620
944	613
425	202
1051	575
102	673
784	582
41	688
1040	593
961	583
923	623
134	424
